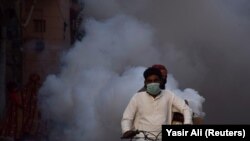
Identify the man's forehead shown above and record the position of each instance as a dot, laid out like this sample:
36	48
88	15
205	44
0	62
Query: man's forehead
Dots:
153	76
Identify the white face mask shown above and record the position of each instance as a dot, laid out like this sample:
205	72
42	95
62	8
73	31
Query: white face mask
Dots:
153	88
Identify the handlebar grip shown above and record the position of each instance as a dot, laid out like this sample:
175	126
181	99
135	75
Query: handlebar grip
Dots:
130	134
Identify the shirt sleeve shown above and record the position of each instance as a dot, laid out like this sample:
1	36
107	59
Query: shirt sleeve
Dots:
128	115
180	104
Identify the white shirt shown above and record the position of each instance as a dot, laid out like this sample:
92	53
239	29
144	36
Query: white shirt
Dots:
149	114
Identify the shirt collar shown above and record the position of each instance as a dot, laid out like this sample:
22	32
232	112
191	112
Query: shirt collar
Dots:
157	97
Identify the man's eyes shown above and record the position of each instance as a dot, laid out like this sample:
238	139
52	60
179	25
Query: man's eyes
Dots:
157	80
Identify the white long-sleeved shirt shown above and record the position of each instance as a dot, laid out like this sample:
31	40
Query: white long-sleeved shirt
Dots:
149	114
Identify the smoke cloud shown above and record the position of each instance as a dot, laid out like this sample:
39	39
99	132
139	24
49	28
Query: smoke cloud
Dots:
100	74
203	44
85	101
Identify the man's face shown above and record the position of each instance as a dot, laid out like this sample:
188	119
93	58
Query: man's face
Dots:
152	79
164	73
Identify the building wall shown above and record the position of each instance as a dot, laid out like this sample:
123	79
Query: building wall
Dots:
10	53
45	37
2	74
27	47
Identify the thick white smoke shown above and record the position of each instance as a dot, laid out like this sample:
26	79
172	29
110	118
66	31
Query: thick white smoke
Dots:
194	99
85	101
205	45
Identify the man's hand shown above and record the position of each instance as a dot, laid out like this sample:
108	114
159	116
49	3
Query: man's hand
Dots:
129	134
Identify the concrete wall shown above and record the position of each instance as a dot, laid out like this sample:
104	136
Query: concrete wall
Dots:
56	37
2	72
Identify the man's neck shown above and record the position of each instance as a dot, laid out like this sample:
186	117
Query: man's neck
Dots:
154	96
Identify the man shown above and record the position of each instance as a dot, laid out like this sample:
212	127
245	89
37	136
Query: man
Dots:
164	74
177	116
152	108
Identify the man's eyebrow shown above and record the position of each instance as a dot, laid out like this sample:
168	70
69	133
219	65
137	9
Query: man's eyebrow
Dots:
153	79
